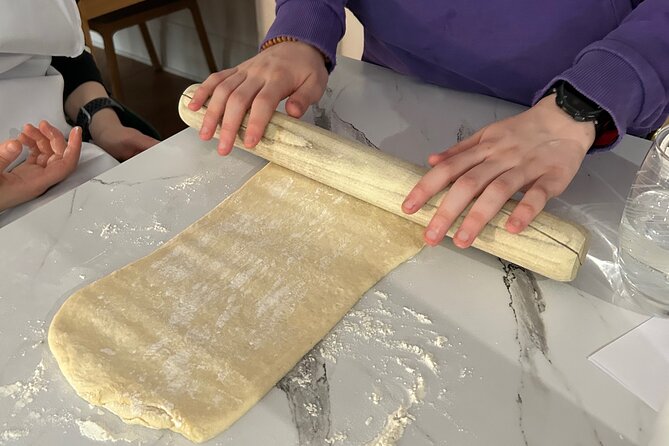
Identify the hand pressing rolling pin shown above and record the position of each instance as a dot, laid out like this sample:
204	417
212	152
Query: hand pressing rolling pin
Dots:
587	84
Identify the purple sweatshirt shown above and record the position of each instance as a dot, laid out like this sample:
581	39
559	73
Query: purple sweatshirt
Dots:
616	52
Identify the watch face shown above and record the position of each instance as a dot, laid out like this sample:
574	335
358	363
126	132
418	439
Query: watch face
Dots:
575	104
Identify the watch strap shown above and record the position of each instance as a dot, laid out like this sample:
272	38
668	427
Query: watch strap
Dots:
582	109
86	113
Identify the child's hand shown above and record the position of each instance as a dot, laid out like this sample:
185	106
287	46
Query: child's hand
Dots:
50	161
538	151
289	69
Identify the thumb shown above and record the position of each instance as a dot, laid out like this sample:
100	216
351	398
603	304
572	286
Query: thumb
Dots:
73	149
145	141
9	151
308	93
295	107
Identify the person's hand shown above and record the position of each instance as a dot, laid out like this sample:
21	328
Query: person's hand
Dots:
538	151
289	69
119	141
50	161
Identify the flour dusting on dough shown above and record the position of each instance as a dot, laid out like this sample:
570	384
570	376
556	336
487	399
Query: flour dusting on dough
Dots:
205	325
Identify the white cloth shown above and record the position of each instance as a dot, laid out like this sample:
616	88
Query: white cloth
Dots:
31	98
31	31
40	27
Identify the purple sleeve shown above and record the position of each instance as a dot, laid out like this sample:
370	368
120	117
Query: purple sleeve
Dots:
320	23
627	72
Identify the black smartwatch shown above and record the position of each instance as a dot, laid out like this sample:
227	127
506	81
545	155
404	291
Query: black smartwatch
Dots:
582	109
85	115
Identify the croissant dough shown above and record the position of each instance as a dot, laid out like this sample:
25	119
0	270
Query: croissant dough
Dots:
190	337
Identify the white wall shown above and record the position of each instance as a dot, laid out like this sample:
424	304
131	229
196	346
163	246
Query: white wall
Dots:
234	27
352	43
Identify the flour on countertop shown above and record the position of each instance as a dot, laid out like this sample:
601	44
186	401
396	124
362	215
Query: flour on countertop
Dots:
99	432
22	392
188	183
376	324
419	316
401	347
12	435
120	227
37	333
94	431
337	437
394	428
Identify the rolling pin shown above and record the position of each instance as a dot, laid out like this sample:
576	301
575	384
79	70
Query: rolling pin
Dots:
549	246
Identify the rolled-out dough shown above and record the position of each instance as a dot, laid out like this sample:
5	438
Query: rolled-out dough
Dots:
193	335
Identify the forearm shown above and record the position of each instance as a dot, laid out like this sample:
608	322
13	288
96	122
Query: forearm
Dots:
85	93
82	84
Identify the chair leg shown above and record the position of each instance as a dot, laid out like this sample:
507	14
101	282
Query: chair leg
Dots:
202	34
88	41
149	47
112	65
87	34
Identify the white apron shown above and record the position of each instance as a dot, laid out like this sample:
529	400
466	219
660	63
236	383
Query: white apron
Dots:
31	31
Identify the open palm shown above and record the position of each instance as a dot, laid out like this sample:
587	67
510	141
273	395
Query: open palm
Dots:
50	161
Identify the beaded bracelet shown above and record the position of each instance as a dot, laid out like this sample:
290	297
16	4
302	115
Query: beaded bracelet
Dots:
275	40
280	39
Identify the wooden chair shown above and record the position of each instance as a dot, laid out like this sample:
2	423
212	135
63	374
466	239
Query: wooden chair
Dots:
109	16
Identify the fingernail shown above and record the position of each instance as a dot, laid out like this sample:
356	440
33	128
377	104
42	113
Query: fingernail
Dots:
462	236
204	130
432	235
409	205
514	222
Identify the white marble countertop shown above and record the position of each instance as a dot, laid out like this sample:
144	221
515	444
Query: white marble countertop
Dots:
452	347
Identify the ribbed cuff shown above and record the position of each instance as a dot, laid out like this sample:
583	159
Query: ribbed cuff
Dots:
310	22
620	81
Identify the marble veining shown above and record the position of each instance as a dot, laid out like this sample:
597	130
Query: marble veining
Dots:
308	393
526	303
327	118
132	183
464	131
